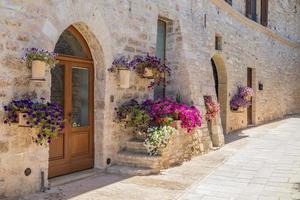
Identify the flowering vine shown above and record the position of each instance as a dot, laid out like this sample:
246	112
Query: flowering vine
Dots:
212	108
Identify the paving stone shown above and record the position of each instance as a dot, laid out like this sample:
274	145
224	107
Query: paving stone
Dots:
200	178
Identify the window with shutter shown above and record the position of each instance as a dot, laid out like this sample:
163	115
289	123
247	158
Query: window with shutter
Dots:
264	12
159	91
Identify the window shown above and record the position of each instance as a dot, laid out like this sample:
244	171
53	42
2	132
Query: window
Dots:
264	13
251	9
229	2
159	91
70	44
218	42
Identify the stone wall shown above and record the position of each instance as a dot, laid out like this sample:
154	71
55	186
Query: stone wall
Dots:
122	27
283	16
183	146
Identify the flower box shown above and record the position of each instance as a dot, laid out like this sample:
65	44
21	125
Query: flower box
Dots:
22	119
124	77
38	70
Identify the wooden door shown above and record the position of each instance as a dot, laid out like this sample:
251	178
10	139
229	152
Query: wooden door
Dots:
249	84
72	87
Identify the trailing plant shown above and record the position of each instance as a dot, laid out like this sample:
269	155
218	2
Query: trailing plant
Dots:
212	108
120	63
242	98
158	138
136	117
46	116
32	54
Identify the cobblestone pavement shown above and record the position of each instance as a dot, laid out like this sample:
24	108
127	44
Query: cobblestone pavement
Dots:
261	163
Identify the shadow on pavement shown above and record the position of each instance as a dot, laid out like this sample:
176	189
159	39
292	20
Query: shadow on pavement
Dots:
229	138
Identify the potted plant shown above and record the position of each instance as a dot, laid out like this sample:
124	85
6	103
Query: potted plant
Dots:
242	99
45	116
38	60
132	115
188	117
123	68
150	67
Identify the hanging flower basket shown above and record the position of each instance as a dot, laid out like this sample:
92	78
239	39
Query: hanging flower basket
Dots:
38	60
122	66
38	70
148	73
124	77
22	119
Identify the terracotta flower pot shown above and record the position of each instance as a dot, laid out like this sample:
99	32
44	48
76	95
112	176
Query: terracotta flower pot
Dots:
38	70
124	77
23	119
148	73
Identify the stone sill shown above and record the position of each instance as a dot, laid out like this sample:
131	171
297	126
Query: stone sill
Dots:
254	25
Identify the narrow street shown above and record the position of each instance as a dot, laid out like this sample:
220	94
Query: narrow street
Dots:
259	163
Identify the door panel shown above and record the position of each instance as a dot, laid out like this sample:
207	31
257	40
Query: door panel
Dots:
72	83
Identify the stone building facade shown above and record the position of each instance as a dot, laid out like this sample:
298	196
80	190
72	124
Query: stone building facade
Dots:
269	56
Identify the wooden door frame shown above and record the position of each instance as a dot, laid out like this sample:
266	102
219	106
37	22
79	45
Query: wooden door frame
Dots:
69	62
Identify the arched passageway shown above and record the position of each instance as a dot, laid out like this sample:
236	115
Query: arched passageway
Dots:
220	79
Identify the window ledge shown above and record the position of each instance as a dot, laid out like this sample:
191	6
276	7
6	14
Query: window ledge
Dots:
253	25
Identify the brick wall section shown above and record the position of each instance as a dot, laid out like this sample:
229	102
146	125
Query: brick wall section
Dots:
122	27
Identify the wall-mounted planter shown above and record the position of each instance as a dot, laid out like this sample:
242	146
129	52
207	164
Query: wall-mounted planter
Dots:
124	78
148	73
239	110
38	70
22	119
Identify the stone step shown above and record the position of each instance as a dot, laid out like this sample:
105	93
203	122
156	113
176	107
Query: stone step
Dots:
131	171
135	159
136	146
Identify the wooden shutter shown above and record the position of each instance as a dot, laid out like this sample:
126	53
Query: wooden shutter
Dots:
264	12
160	90
248	9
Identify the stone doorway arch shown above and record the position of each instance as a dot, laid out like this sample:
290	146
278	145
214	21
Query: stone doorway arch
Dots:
221	86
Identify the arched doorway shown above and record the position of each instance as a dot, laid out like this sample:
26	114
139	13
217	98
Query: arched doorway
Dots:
72	85
220	79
